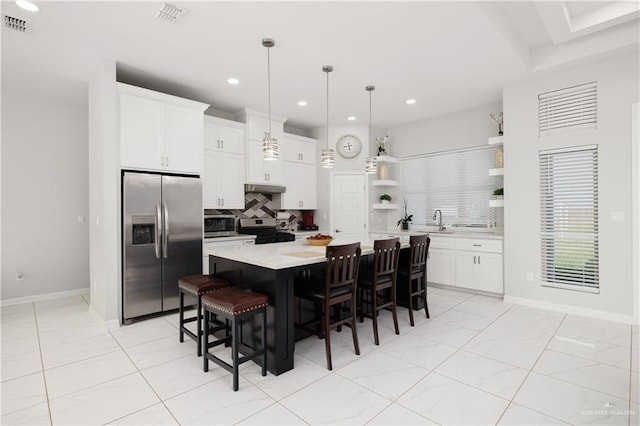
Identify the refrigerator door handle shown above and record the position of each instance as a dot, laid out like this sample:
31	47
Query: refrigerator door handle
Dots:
158	223
165	230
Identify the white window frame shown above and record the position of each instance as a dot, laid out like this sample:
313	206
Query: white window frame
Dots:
569	218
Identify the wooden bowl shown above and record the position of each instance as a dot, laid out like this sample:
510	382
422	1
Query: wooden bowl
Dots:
323	242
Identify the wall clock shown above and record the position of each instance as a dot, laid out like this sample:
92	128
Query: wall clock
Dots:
348	146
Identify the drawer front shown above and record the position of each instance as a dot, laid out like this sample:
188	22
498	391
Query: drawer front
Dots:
491	246
441	243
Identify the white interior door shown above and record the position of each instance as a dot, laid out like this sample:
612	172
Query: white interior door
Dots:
348	207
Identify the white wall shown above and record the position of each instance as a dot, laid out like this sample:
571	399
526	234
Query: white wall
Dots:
617	90
44	190
103	158
357	163
464	129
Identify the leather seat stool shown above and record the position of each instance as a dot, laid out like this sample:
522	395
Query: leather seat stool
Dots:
234	305
197	286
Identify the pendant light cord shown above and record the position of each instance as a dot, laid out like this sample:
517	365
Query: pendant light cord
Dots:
327	110
269	86
370	134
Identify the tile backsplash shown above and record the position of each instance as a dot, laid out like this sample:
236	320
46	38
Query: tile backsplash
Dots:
257	206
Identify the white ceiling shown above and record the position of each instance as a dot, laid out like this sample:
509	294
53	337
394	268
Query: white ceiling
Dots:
449	56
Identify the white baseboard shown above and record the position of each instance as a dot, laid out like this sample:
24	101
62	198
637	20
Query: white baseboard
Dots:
41	297
568	309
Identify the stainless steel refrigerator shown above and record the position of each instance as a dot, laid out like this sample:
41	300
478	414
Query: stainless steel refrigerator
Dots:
161	238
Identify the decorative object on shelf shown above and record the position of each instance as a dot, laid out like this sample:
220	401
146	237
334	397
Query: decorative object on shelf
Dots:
348	146
407	217
499	157
371	166
327	159
499	193
499	119
269	143
383	171
382	145
385	198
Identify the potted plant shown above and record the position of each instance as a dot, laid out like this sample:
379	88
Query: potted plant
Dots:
499	193
404	221
385	198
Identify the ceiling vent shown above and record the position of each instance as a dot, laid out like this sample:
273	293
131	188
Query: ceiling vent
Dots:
168	12
573	107
15	24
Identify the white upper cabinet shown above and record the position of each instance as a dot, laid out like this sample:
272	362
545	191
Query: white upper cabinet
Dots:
160	132
223	135
259	171
299	149
223	177
300	173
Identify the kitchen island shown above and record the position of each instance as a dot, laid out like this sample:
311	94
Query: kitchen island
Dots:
271	269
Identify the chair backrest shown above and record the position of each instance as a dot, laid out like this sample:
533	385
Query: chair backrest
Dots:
419	245
386	254
343	263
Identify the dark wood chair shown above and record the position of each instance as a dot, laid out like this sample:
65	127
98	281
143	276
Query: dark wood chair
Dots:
380	283
335	293
414	270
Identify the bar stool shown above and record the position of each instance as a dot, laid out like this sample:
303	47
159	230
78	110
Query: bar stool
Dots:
335	289
197	286
382	278
415	269
234	305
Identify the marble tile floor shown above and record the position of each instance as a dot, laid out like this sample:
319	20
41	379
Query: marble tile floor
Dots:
477	361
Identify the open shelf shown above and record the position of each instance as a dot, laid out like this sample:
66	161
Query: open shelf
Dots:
496	172
390	206
386	159
496	203
384	183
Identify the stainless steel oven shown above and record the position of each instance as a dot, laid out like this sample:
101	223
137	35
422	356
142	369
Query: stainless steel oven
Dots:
220	225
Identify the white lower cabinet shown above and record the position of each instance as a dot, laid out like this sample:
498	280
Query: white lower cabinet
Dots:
479	265
440	266
208	245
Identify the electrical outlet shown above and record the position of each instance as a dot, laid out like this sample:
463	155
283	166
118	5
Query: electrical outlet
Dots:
530	276
19	276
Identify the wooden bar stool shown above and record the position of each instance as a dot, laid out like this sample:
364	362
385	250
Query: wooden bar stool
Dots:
234	305
415	269
381	281
197	286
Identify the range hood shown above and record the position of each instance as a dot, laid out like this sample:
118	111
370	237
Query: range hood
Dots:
264	189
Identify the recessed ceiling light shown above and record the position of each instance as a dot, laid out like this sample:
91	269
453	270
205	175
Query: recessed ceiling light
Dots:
233	81
352	118
27	5
302	103
411	101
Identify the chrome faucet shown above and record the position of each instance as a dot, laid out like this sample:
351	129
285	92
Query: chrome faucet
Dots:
440	224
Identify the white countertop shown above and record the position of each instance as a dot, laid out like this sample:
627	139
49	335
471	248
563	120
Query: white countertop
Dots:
282	255
449	233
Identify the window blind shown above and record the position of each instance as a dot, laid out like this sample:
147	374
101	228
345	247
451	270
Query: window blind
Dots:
569	218
457	183
572	107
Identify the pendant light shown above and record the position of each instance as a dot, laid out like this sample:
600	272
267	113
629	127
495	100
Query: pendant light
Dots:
371	164
269	144
327	156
